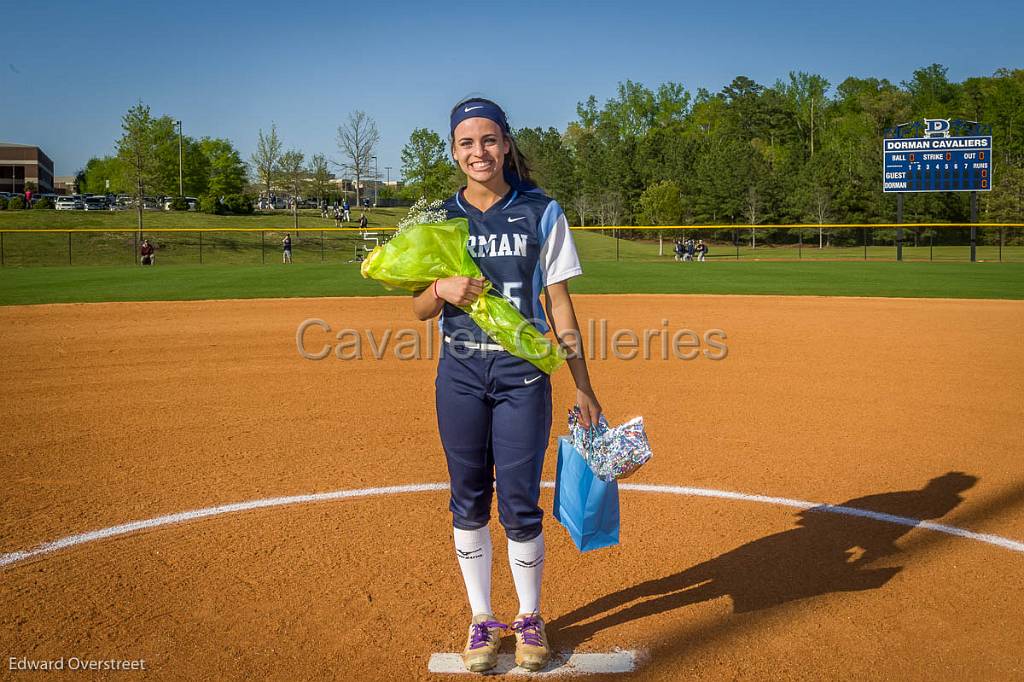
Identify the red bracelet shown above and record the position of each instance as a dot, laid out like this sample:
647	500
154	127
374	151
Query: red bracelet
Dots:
435	291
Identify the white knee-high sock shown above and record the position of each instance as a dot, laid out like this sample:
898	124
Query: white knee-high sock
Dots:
473	548
527	562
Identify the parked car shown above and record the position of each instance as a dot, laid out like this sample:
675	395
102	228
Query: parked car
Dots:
36	198
193	203
69	204
96	203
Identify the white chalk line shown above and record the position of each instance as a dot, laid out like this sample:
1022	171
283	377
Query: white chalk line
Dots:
562	663
11	558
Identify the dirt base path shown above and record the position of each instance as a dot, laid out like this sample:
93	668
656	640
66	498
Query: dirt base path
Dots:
120	412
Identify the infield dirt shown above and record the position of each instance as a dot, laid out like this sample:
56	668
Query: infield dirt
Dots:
126	411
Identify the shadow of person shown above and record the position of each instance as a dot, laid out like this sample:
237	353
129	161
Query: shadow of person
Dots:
830	550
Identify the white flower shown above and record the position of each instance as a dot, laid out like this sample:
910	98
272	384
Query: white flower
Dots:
423	213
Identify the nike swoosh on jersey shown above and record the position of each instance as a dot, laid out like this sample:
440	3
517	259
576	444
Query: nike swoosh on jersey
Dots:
530	381
469	109
512	220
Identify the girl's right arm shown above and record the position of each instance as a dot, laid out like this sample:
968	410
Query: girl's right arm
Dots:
460	291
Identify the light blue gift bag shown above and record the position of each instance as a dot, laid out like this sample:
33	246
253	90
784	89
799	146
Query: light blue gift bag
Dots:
587	506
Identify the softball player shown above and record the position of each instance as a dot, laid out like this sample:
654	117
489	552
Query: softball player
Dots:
494	409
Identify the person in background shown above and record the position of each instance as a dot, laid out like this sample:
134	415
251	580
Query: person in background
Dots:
346	216
677	247
702	250
362	221
147	253
287	244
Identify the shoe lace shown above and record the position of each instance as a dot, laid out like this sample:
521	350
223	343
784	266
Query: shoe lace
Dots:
480	633
528	627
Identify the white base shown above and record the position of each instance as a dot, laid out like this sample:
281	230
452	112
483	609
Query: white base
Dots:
561	664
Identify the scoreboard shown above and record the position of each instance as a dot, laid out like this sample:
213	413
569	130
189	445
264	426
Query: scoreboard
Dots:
937	164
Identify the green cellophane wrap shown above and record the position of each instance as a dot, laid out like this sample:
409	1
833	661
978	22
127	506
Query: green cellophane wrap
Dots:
420	254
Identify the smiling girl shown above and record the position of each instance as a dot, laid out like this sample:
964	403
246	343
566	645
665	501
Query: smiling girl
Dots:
493	408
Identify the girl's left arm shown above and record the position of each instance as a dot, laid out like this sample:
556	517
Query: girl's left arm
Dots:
567	330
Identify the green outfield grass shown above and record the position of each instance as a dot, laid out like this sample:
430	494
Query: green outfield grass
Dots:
191	282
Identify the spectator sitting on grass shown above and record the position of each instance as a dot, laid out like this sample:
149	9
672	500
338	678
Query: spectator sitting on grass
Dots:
147	253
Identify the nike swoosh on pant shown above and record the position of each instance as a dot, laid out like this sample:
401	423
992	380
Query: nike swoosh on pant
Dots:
530	381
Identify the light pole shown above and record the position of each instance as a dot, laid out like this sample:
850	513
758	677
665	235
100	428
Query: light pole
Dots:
376	181
181	185
387	169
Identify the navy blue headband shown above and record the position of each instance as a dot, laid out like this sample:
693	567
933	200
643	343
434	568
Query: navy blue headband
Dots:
478	109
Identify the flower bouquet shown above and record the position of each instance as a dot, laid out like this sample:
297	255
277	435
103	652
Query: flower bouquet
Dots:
427	248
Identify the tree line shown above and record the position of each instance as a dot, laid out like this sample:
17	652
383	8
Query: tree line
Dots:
149	162
801	150
798	151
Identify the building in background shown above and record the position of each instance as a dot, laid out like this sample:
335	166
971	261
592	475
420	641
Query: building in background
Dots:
21	163
65	184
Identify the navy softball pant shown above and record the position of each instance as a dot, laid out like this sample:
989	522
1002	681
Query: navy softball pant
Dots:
494	417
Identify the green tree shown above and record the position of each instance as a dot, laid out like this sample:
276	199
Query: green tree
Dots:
550	161
425	165
661	204
293	174
194	165
265	160
137	150
806	96
226	168
319	177
99	171
931	92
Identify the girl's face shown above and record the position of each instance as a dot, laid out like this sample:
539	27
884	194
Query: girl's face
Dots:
480	149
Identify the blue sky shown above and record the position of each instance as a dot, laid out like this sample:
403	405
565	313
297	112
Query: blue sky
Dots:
227	69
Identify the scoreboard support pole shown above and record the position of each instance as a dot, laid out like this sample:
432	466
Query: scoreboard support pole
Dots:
974	230
899	230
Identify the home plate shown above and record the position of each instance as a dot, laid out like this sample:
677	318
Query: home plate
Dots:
562	663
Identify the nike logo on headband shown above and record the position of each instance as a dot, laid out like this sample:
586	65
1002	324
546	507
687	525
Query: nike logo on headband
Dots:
469	109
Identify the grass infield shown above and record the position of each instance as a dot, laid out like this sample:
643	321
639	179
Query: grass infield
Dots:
74	284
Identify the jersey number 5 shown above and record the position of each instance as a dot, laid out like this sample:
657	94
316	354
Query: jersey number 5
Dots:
507	293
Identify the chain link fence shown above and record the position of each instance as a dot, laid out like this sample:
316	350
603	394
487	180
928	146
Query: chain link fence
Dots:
198	246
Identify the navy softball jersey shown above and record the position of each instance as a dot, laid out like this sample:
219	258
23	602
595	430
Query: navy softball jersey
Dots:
522	244
494	409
